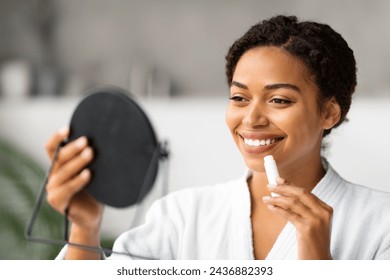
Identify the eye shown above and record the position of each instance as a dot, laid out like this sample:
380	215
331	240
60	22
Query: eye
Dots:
280	101
237	98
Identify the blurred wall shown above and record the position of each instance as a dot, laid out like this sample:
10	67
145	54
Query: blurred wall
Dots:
123	41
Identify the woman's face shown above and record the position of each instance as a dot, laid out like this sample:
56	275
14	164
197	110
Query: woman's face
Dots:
274	110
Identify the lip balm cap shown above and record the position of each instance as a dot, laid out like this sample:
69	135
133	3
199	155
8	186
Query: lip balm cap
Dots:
269	159
271	169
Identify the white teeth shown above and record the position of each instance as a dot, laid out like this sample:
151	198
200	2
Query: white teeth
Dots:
258	142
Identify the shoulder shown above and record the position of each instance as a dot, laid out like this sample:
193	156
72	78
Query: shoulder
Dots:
340	191
361	219
358	204
367	196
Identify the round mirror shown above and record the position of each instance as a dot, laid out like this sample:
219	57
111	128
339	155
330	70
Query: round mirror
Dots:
126	151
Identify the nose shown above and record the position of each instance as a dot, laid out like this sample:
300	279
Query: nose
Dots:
255	116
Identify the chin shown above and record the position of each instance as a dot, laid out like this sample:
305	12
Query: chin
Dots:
255	164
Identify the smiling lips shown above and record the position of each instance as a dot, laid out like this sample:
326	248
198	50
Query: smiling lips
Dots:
262	142
258	144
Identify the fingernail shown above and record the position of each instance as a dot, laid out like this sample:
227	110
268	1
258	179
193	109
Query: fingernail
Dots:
266	198
270	207
64	131
280	180
271	187
85	173
87	153
81	142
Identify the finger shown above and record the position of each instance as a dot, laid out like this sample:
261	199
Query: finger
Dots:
286	190
53	142
71	168
282	181
279	188
311	201
70	150
292	191
289	216
290	204
59	198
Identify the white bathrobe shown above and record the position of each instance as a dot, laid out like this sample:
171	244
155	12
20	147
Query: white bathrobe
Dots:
214	223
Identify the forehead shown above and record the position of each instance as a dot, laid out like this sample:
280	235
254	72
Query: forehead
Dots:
271	65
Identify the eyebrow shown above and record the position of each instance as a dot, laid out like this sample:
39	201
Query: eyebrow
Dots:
277	86
237	84
269	87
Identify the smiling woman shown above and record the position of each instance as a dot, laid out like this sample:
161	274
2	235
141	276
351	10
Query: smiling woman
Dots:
290	84
274	110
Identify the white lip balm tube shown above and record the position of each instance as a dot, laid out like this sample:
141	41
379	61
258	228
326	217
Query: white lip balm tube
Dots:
272	171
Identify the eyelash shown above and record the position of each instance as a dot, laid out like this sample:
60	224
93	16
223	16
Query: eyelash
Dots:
280	101
237	98
274	100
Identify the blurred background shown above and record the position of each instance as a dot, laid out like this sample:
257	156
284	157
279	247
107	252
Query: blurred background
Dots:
170	55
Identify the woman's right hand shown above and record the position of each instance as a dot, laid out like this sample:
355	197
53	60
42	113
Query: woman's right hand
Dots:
65	186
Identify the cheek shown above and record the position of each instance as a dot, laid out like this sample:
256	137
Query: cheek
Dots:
296	123
286	121
301	126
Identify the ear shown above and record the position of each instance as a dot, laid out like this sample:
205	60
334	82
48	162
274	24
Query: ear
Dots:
331	113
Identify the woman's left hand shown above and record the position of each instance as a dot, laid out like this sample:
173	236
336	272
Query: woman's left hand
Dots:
311	217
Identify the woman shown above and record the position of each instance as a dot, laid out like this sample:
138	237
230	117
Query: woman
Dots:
290	84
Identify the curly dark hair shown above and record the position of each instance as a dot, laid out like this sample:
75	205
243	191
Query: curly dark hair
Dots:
324	52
